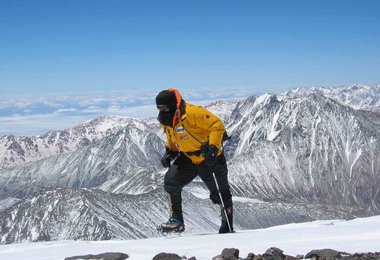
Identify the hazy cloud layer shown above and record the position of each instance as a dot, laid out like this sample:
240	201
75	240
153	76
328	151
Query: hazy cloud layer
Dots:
35	115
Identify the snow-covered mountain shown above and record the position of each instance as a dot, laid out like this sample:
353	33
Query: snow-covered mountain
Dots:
301	157
311	149
18	150
358	96
124	162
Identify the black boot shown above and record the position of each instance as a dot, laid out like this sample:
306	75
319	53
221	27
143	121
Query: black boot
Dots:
172	226
227	226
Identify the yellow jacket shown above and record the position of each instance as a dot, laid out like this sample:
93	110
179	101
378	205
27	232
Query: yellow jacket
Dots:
195	127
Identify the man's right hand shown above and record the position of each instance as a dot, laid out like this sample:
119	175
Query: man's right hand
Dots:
167	158
210	153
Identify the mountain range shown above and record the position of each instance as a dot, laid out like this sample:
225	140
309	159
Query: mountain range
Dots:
358	96
302	155
16	150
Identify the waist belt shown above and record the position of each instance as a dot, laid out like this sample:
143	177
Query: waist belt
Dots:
196	153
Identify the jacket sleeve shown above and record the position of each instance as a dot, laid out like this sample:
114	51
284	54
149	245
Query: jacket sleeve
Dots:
170	145
212	124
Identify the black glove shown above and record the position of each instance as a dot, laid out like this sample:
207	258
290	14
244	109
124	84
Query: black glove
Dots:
210	153
167	158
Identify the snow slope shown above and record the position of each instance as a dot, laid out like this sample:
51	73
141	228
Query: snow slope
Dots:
354	236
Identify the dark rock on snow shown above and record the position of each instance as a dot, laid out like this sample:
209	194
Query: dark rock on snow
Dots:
104	256
228	254
167	256
326	254
272	253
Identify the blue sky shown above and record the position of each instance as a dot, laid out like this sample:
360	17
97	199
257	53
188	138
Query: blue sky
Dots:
69	46
86	47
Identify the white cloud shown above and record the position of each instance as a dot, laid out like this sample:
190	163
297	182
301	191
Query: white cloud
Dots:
143	111
38	114
93	110
65	110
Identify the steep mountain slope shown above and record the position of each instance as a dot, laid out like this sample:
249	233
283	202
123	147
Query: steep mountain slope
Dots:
77	214
68	214
310	149
18	150
125	162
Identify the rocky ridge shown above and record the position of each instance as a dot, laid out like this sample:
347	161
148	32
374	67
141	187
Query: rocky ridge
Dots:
272	253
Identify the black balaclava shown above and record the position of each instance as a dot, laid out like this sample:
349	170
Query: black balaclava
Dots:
167	98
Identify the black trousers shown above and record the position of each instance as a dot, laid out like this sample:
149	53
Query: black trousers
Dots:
183	171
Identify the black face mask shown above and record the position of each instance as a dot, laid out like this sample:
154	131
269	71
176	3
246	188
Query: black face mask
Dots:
166	118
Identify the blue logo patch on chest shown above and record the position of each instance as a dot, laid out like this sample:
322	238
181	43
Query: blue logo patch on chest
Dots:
180	130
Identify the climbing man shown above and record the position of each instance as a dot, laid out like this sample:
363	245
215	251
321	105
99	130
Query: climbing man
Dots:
194	141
